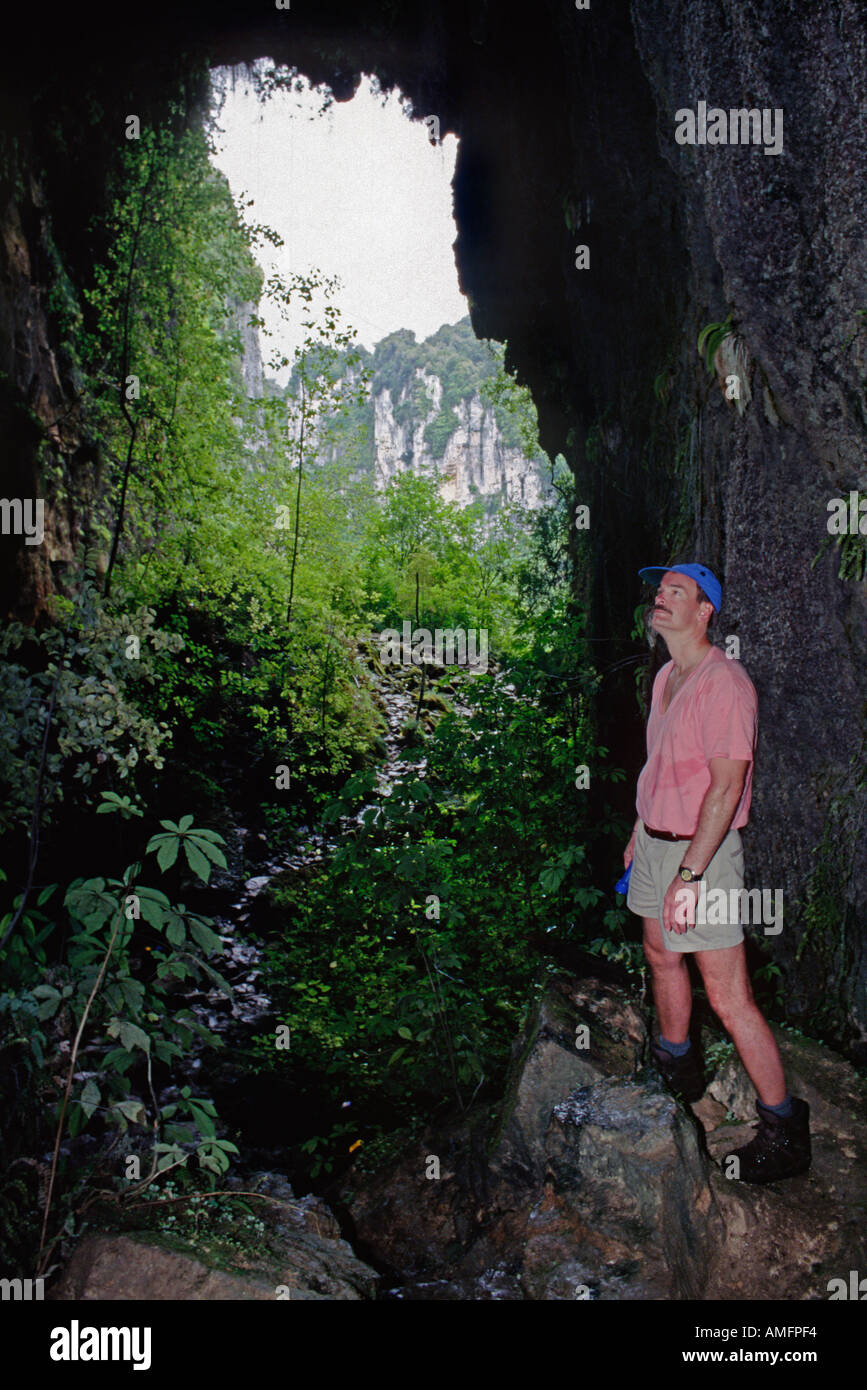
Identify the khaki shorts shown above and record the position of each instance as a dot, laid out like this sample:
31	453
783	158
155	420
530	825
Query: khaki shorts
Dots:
656	863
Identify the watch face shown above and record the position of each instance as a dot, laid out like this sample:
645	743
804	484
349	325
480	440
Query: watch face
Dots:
686	875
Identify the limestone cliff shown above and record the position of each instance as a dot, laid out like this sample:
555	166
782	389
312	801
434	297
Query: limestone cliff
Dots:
424	413
251	353
476	463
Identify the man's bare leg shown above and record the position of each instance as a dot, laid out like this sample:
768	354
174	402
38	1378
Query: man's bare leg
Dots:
730	995
672	991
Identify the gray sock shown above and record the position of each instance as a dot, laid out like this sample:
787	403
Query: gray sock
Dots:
676	1049
784	1109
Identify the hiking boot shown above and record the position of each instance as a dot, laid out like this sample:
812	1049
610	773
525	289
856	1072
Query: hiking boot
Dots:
682	1075
781	1147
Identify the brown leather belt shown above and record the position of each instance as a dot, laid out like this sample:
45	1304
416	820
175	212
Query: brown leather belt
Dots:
665	835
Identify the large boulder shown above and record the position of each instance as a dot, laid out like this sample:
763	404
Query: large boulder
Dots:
626	1211
491	1166
582	1032
301	1257
588	1179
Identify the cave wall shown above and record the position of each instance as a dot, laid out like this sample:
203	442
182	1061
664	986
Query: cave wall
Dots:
786	235
38	416
566	126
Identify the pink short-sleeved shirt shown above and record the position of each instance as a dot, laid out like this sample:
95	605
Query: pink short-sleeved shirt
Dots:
713	715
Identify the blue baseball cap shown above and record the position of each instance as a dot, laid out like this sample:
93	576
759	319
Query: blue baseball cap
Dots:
700	573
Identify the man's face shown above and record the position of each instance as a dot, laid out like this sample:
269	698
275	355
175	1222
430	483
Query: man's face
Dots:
676	608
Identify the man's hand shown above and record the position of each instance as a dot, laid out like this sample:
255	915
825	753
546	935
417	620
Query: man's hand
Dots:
678	909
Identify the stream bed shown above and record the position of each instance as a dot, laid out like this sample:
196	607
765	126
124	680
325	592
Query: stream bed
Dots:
251	1104
247	1101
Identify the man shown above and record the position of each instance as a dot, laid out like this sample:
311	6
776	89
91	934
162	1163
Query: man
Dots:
693	797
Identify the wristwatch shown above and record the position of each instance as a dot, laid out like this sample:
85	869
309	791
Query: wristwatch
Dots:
688	876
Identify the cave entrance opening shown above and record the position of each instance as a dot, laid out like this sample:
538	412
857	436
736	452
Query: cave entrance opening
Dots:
359	191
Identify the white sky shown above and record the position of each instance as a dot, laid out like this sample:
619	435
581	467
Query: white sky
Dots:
358	192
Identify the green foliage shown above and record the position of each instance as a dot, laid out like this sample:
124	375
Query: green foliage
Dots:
121	804
710	338
237	517
619	947
200	846
769	979
227	577
514	407
162	343
26	951
718	1053
201	1116
395	362
853	557
852	546
17	1201
469	566
216	1225
404	967
98	729
113	980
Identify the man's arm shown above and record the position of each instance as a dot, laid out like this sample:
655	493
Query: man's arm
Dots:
727	777
720	802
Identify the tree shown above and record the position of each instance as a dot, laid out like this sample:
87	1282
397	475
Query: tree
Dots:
162	349
326	381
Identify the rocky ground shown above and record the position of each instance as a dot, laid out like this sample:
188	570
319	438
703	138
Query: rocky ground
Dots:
588	1182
